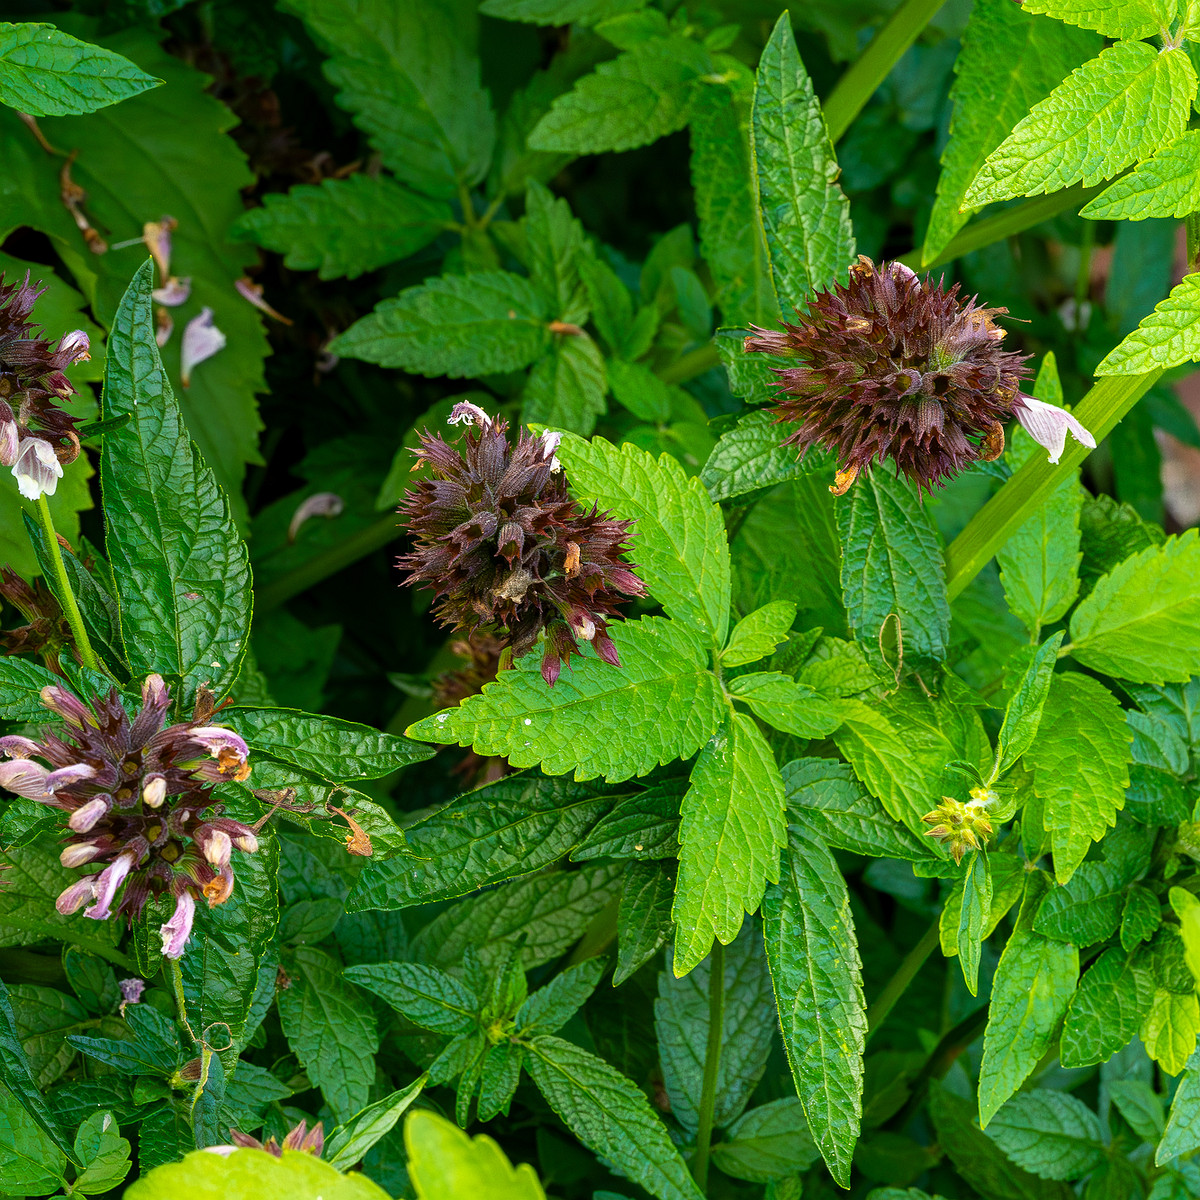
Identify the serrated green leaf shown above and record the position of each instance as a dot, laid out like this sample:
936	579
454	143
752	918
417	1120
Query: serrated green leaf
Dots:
1141	621
348	1143
1116	109
757	634
642	95
643	916
1140	917
1007	873
344	227
1023	712
21	683
558	12
751	456
1087	909
1140	1105
1113	18
456	325
974	918
1167	337
29	1160
104	1154
552	1006
805	215
426	996
412	85
789	706
1008	62
566	387
637	388
815	968
1169	1029
768	1143
1080	763
679	539
556	245
1162	186
1182	1133
730	834
1051	1134
1034	982
610	1115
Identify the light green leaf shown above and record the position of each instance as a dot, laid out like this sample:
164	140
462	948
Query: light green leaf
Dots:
610	1115
1187	909
804	213
456	325
1113	18
816	970
446	1164
566	387
679	539
643	916
666	701
1140	1105
1163	186
1169	1029
181	571
1033	984
751	456
1140	917
730	833
974	917
412	85
1168	337
1114	110
1141	621
344	227
1080	763
29	1160
633	100
1182	1134
558	12
1008	62
426	996
770	1142
756	635
346	1144
1023	713
789	706
1052	1134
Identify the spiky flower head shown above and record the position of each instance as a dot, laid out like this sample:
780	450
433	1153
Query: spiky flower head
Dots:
46	631
960	827
895	367
506	548
299	1137
137	800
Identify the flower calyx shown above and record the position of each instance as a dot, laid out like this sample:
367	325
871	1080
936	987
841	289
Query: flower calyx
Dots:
960	827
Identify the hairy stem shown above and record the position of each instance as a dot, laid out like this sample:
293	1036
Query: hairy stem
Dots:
895	987
66	596
712	1063
887	47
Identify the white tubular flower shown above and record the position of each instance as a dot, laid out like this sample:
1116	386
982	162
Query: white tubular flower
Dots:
465	411
550	443
10	436
78	853
74	897
77	345
36	468
154	792
178	929
25	777
84	817
1048	424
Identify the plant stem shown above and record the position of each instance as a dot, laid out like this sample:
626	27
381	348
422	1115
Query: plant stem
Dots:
895	987
987	531
176	973
693	363
1192	225
66	596
712	1063
887	47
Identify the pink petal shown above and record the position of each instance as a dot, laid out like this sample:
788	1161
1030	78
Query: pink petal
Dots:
201	340
173	293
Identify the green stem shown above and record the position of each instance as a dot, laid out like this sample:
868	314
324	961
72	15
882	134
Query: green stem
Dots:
905	974
987	531
66	596
175	969
887	47
689	365
1192	225
1083	277
712	1063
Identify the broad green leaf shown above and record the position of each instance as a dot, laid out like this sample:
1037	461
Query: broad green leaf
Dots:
1141	621
643	916
730	834
558	12
787	705
609	1114
346	1144
445	1164
566	387
181	570
1052	1134
635	99
411	83
1168	337
1008	62
667	702
679	539
104	1154
625	334
330	1029
1162	186
1033	984
751	456
804	213
456	325
1085	910
770	1142
29	1161
1187	909
815	968
426	996
21	683
44	1016
344	227
1023	712
1141	916
1113	18
556	244
1007	875
1169	1029
644	825
1080	762
636	387
974	917
681	1021
552	1006
1140	1105
1182	1134
1116	109
757	634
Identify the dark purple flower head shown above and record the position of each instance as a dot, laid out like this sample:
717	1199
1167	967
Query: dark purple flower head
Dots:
506	548
137	800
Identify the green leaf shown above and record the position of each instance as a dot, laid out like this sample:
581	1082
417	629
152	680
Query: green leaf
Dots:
412	85
556	244
1116	109
47	73
1080	763
681	1021
1167	337
426	996
1169	1029
1140	1105
1023	712
344	227
730	834
44	1016
1113	18
974	917
21	683
1008	62
566	387
667	702
1007	873
1140	917
804	213
610	1115
29	1161
645	825
893	565
643	916
787	705
1049	1133
1182	1134
181	571
816	971
104	1154
751	456
456	325
1187	909
552	1006
1162	186
638	389
1141	620
679	539
330	1029
770	1142
633	100
756	635
1033	984
558	12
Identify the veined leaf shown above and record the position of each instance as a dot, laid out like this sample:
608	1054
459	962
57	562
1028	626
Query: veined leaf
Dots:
180	568
1163	186
566	387
679	539
1113	18
1052	1134
1169	336
770	1143
1141	915
21	683
556	244
750	456
29	1160
643	916
445	1164
816	970
644	825
730	833
789	706
426	996
1107	1010
1023	713
456	325
804	213
344	227
1182	1133
1170	1028
348	1143
1114	110
974	917
552	1006
758	633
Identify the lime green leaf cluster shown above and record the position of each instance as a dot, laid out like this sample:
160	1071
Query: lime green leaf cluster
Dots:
1162	186
1114	18
1168	337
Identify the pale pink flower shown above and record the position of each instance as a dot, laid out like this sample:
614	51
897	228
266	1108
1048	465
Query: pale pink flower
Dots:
1048	425
465	411
322	504
10	436
74	897
178	929
84	817
201	340
107	883
174	292
25	777
77	345
36	468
